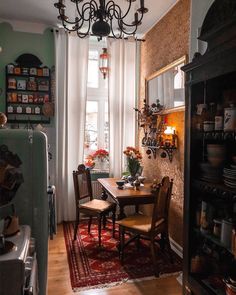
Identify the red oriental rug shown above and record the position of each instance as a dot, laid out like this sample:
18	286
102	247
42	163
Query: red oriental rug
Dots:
94	268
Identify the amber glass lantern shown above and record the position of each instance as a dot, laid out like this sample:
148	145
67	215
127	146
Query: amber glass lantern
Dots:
103	63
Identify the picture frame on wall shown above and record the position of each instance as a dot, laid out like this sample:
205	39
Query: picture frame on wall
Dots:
33	71
25	98
21	84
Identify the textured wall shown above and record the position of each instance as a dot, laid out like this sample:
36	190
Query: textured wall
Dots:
167	41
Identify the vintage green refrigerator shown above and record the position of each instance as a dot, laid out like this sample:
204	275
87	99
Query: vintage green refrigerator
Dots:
31	200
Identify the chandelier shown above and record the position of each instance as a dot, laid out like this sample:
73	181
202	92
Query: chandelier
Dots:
102	17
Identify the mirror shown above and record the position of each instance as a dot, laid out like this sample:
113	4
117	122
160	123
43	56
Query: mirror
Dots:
167	85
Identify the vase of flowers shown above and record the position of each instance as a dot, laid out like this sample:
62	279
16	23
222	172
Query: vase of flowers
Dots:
134	158
89	162
101	157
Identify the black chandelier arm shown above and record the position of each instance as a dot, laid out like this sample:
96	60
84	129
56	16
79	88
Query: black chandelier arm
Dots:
92	4
128	33
112	6
135	23
90	7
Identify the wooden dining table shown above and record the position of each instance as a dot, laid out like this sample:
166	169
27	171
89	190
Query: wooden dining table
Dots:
126	196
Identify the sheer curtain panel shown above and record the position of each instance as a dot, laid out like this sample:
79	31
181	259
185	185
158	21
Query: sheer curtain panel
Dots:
71	88
122	100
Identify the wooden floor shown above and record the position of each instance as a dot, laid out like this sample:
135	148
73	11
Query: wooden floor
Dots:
59	280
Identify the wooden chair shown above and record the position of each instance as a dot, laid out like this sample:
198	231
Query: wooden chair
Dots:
93	207
149	227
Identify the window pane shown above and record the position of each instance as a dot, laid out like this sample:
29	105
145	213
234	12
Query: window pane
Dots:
93	70
91	128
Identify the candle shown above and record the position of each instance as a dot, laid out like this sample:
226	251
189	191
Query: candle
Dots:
136	17
142	3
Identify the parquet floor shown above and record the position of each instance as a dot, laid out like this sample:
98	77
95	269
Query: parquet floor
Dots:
59	280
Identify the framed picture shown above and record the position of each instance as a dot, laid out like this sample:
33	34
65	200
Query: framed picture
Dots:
37	110
17	71
46	98
40	72
10	69
30	98
10	109
25	71
21	84
43	85
28	110
11	83
31	84
25	98
33	71
14	97
19	97
46	72
19	110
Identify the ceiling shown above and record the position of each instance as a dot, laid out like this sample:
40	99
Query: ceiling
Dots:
44	12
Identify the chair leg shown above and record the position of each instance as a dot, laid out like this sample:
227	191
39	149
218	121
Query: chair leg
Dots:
137	242
89	223
113	222
122	243
99	230
76	226
154	258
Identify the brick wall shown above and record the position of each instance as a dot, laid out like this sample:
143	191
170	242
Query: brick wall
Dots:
167	41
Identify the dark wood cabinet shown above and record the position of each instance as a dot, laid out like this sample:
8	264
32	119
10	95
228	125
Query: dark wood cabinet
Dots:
210	157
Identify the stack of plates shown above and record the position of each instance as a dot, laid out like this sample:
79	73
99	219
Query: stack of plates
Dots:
230	176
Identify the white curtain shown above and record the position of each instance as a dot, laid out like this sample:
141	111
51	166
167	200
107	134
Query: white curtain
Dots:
71	88
122	100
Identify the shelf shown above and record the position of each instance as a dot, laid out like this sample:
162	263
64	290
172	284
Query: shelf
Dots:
35	90
200	285
20	90
27	76
218	189
25	103
213	239
24	114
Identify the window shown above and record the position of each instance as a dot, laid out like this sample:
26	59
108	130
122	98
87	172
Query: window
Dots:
97	124
93	70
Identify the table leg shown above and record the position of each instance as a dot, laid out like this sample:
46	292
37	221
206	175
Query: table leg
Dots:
136	209
122	213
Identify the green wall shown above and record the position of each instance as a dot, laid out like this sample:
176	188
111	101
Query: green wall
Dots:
15	43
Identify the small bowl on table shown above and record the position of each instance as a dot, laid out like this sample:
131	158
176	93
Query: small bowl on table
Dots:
120	184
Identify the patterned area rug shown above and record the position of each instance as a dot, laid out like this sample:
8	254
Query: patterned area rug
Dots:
94	268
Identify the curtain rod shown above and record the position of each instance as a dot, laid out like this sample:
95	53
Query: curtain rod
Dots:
110	37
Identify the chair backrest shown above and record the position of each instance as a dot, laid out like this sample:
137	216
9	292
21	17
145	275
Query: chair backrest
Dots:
82	184
162	201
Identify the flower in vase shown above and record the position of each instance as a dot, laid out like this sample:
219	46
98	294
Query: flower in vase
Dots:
89	162
101	154
134	158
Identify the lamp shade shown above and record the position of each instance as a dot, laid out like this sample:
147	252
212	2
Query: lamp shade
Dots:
103	62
